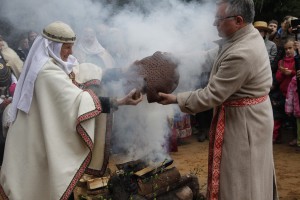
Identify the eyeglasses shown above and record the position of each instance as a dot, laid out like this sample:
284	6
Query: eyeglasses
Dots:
223	18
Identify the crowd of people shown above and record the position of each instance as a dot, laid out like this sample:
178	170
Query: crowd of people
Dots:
249	83
284	47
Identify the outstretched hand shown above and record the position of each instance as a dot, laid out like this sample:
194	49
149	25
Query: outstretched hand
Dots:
167	98
129	98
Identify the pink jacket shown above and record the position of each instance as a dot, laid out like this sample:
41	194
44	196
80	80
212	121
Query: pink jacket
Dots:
292	99
282	79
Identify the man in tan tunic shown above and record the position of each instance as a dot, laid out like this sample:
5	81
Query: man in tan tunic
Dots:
240	162
55	131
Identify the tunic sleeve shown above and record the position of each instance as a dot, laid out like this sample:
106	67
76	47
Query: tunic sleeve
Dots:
232	73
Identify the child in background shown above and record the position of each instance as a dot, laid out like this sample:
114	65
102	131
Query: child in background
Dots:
292	107
292	102
285	72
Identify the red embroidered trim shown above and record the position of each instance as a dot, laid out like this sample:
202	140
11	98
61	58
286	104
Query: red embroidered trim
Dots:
82	132
86	84
216	137
91	82
101	172
2	193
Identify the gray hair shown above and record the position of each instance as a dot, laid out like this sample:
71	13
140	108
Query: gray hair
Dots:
244	8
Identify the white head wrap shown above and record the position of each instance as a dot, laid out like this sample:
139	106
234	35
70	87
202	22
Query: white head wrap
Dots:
40	52
93	46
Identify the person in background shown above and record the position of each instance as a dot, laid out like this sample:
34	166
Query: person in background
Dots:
11	58
284	31
23	47
286	71
31	37
263	29
88	49
240	163
283	34
277	99
273	24
8	83
292	108
292	102
53	138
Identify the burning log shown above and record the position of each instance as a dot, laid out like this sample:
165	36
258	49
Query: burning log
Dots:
188	180
163	180
152	170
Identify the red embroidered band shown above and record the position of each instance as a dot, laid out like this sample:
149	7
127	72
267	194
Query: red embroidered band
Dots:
216	135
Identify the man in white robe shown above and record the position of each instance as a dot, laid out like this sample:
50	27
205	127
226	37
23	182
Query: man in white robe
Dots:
54	129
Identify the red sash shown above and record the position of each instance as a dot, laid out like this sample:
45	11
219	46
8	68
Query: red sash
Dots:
216	135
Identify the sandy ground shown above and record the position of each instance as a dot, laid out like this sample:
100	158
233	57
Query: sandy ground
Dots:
192	158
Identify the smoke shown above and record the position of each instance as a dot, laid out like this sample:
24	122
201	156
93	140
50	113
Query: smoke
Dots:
132	32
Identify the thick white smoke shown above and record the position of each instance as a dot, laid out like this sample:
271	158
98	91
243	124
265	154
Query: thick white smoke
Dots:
131	33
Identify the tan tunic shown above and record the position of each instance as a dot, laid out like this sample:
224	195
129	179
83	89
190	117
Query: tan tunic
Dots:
241	69
49	149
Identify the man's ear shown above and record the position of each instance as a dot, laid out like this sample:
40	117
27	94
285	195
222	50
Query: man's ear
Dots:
239	20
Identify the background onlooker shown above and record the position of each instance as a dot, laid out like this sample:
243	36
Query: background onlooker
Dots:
292	108
263	29
286	71
22	47
277	99
273	24
31	37
7	87
88	49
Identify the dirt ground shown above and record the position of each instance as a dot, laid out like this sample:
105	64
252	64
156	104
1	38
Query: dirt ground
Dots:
192	158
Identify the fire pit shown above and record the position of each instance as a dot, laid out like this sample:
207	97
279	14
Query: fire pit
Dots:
141	181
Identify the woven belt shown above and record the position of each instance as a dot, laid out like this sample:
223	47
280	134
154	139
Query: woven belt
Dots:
216	136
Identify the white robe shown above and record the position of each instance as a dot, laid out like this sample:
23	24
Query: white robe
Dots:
49	149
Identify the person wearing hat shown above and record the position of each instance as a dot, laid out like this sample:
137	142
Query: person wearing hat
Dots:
277	99
53	138
263	29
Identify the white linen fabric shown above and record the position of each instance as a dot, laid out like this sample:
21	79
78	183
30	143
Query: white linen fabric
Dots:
39	53
49	149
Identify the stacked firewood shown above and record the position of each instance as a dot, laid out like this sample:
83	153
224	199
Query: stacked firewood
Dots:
134	180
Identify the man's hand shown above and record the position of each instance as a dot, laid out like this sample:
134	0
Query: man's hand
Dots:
167	98
130	98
